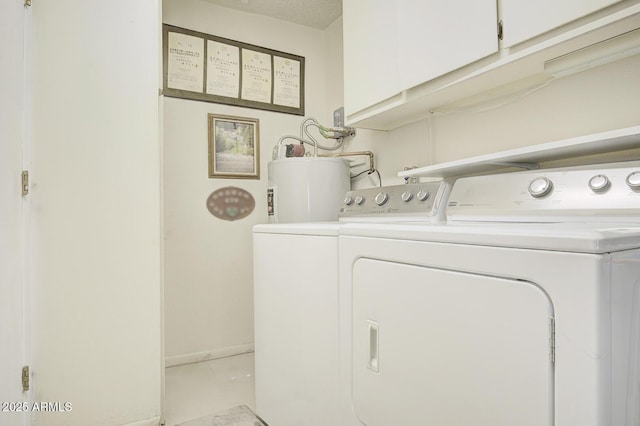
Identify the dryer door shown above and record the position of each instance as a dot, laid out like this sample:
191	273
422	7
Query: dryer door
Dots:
440	347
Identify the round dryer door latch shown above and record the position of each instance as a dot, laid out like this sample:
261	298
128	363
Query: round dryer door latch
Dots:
540	187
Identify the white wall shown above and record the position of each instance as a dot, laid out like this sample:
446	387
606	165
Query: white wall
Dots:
333	69
94	245
208	261
597	100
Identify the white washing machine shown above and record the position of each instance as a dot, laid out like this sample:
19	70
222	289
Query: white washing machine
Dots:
524	309
296	303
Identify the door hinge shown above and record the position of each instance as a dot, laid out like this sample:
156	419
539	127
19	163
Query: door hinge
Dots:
25	378
25	182
500	30
27	3
552	339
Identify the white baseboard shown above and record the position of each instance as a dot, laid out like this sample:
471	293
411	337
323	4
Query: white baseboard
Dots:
154	421
173	361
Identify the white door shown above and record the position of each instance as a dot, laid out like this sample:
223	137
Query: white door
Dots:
523	20
439	347
12	340
94	215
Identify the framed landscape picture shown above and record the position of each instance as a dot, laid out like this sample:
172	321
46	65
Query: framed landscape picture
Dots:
234	147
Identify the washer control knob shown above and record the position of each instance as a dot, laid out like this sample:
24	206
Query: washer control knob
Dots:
599	183
359	200
423	195
348	200
381	198
633	180
540	187
406	196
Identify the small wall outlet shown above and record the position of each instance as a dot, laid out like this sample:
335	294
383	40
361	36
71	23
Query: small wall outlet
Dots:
338	117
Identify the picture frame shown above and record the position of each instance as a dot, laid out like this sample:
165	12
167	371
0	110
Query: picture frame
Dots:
208	68
234	147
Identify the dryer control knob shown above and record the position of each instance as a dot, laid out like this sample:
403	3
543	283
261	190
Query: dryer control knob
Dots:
540	187
599	183
422	195
406	196
381	198
348	200
633	180
359	200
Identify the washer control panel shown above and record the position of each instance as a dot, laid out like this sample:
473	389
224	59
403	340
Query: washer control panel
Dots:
417	200
611	190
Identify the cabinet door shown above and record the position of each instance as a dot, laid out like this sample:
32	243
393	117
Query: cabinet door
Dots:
391	46
370	71
524	20
436	37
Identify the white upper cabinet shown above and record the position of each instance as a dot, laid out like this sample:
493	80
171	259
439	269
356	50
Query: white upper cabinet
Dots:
370	49
523	20
403	58
436	37
392	45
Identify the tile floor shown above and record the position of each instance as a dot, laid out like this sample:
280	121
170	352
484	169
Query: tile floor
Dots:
236	416
196	390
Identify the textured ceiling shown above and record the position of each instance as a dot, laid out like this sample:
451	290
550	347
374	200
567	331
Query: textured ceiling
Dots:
311	13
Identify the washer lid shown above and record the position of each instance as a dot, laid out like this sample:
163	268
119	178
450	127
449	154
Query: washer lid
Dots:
569	237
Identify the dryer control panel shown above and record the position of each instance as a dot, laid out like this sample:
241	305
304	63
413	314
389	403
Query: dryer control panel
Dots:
419	201
592	193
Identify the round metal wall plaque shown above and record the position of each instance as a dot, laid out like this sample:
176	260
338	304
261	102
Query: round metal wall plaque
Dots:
230	203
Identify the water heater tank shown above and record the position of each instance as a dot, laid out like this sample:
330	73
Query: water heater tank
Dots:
306	189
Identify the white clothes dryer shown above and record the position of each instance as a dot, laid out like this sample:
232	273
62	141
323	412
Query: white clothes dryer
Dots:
524	309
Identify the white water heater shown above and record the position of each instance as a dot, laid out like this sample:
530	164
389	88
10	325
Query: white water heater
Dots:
306	189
